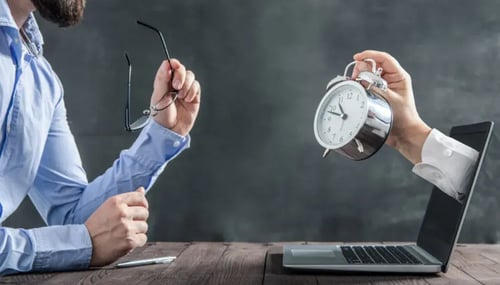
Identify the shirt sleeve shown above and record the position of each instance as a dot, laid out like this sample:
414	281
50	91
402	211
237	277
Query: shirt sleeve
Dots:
62	194
446	163
41	249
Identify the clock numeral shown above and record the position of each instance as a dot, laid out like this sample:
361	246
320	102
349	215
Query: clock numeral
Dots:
357	97
333	137
350	134
362	105
349	96
329	118
329	129
341	139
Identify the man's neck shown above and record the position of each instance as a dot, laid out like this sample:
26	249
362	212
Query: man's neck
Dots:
20	10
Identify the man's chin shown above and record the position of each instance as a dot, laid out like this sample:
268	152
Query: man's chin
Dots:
62	12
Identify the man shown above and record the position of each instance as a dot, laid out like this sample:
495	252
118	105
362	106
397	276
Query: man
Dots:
439	159
91	224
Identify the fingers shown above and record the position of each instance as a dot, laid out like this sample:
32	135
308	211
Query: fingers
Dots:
191	89
388	94
136	198
187	84
164	73
360	66
388	63
184	80
194	93
139	227
139	240
137	213
132	242
393	78
393	73
179	71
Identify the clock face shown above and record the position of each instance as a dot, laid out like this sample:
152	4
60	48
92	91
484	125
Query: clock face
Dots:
340	115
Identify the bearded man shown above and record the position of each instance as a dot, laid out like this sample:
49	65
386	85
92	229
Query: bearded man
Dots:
89	224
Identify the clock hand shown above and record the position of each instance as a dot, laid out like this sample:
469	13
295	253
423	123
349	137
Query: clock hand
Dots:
337	114
341	109
343	115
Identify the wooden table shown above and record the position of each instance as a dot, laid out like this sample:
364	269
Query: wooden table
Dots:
253	263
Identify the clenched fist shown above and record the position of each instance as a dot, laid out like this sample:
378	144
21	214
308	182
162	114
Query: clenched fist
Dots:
118	226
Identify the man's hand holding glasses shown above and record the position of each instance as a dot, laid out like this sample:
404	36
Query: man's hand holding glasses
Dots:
176	95
181	114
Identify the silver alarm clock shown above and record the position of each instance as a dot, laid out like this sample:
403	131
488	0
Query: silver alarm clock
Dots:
353	119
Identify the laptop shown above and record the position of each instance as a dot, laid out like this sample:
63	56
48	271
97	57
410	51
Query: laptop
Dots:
437	237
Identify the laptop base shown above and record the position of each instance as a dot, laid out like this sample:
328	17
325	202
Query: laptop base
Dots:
330	258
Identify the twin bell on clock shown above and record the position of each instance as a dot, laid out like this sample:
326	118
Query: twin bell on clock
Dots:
353	118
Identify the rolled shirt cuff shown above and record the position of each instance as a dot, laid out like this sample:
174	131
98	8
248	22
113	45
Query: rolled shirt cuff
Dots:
157	145
59	248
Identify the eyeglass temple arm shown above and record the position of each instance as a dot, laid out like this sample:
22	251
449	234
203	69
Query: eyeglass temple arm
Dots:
129	88
161	38
163	43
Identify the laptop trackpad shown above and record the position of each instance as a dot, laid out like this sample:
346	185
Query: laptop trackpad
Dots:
305	252
312	255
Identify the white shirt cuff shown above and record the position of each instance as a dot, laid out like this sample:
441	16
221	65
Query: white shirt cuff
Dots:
446	163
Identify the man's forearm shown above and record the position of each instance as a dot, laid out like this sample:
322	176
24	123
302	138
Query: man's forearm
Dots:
411	140
136	167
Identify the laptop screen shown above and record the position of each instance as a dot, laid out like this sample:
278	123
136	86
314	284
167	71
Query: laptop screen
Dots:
444	215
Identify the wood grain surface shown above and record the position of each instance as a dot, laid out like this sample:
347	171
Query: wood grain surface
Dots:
258	263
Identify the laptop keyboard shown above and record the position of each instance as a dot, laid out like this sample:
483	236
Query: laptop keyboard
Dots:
378	255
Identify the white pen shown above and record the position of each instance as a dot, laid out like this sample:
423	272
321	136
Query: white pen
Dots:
158	260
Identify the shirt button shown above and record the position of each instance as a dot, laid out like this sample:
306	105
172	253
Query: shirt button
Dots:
448	152
8	129
177	143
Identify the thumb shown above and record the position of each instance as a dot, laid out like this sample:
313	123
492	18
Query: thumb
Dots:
141	190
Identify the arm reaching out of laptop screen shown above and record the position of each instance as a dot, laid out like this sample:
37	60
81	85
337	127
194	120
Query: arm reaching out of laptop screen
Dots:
439	159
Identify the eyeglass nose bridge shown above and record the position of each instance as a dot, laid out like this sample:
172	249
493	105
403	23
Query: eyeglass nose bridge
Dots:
155	109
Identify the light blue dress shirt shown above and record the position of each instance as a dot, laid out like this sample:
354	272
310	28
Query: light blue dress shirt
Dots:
39	158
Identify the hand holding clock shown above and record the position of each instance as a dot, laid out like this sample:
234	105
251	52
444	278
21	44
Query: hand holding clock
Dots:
409	131
352	119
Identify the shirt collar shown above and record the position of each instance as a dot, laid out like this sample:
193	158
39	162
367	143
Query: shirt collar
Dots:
30	26
33	33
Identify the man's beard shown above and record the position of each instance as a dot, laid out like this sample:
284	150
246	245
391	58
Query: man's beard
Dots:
62	12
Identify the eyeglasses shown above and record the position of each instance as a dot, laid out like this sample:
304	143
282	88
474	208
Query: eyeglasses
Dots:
165	101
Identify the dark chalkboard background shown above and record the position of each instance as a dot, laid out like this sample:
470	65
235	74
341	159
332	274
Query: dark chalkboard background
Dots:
254	172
